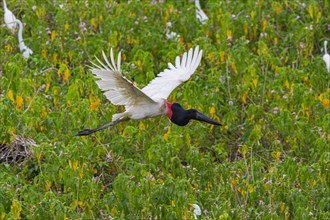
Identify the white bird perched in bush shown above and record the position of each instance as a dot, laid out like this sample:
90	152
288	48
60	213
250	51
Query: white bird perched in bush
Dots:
11	23
171	35
26	51
326	56
197	210
200	15
10	18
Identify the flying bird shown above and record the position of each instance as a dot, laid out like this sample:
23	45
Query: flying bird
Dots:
151	101
10	19
200	14
326	56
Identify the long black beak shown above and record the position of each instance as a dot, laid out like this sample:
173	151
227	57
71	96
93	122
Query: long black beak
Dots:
201	117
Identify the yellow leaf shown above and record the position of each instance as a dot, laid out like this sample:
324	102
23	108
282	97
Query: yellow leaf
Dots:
53	35
229	57
233	66
16	209
210	56
66	75
252	14
19	102
263	25
311	11
11	95
276	154
47	86
212	110
141	126
287	84
181	41
74	204
44	53
314	182
287	215
244	96
139	64
167	133
9	48
244	150
40	12
325	103
232	183
81	172
275	40
229	34
95	102
270	95
66	26
188	140
255	82
209	184
277	9
114	211
55	56
48	185
246	28
93	23
251	188
172	203
3	215
222	56
100	18
44	112
282	206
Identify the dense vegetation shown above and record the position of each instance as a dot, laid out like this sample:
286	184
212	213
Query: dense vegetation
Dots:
261	75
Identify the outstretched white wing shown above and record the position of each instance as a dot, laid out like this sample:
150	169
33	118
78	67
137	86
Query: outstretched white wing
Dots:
117	89
169	79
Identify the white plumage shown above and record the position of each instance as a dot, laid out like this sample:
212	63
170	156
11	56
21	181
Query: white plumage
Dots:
200	14
11	23
326	57
9	17
169	79
23	48
151	100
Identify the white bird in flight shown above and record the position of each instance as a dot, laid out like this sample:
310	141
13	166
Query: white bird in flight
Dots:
200	14
9	17
150	101
326	56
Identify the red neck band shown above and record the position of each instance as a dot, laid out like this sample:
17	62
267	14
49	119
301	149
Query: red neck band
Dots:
169	109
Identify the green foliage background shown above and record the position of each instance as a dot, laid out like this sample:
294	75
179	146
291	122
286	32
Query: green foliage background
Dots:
262	75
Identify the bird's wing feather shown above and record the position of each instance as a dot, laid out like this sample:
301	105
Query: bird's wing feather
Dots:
169	79
117	89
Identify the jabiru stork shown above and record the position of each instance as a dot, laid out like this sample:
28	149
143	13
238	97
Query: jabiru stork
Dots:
150	101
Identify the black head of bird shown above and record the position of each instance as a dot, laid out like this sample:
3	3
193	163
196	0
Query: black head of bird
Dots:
181	117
